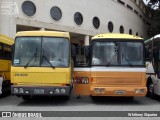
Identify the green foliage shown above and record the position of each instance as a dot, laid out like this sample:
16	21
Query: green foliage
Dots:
154	29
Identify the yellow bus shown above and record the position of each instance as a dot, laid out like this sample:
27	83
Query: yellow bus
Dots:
113	65
5	63
41	64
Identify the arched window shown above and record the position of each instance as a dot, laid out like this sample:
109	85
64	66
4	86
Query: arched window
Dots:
96	22
121	29
56	13
130	31
78	18
28	8
110	26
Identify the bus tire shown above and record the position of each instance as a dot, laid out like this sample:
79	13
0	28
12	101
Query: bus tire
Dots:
150	87
67	97
26	97
6	88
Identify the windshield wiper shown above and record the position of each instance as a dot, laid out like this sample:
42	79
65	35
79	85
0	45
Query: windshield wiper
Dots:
48	61
43	56
113	57
34	56
127	60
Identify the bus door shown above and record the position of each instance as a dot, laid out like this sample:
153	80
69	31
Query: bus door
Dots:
158	64
156	55
81	72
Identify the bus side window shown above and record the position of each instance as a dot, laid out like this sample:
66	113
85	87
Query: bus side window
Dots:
80	59
7	51
158	63
1	50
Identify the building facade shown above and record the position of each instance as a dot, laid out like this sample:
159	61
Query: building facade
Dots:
83	19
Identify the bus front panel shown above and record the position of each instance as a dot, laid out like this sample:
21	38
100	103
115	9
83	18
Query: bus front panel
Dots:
41	65
116	68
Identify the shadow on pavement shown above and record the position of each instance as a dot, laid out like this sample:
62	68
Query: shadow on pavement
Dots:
44	101
156	97
86	100
5	95
118	101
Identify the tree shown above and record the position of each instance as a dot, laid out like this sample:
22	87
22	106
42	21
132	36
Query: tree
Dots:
155	4
154	29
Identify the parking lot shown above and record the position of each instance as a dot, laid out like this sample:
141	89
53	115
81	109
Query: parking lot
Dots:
84	103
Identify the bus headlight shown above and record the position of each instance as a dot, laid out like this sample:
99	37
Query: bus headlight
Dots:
96	90
57	91
15	90
102	90
63	91
21	90
139	91
99	90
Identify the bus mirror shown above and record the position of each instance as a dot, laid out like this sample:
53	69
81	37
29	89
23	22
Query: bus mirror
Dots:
87	51
73	51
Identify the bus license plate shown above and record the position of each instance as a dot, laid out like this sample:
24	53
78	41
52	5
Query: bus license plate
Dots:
120	92
39	91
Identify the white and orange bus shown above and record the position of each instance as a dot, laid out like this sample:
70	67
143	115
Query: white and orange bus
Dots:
153	65
113	65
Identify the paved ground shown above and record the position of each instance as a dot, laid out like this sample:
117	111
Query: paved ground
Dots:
13	103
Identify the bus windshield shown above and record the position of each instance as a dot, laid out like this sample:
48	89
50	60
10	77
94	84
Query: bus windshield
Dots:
118	53
41	51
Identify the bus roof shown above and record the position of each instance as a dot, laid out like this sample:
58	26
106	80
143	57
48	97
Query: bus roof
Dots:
6	40
116	36
43	33
153	42
154	38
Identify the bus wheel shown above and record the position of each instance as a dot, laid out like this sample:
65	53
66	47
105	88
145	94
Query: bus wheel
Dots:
150	90
26	97
6	88
69	95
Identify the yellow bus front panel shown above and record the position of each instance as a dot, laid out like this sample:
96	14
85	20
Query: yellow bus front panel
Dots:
44	80
41	64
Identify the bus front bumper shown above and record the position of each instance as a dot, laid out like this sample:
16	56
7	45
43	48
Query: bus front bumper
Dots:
118	91
40	90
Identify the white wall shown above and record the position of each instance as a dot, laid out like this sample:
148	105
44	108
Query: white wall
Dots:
7	23
105	10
